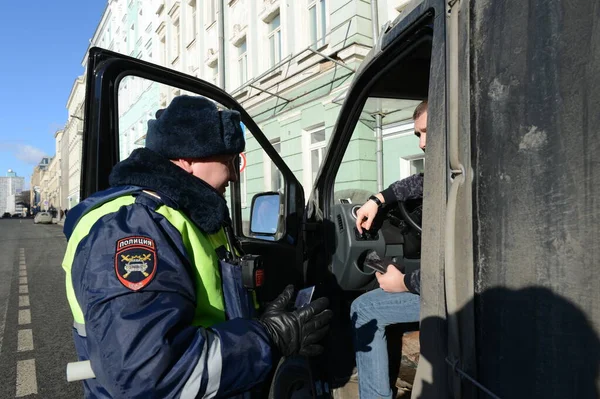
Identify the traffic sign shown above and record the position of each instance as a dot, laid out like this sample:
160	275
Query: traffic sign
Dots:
243	162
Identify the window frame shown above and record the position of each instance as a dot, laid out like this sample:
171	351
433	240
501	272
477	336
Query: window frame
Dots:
406	164
308	149
211	13
191	26
321	23
275	56
176	40
269	166
243	62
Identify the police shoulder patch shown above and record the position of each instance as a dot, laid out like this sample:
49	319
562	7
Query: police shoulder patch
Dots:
135	261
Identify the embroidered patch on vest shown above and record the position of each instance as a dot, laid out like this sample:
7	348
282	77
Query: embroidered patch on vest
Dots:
135	261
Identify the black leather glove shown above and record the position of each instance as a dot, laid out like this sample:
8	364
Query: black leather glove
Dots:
299	331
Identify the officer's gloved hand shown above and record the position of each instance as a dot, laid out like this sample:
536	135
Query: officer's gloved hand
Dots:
299	331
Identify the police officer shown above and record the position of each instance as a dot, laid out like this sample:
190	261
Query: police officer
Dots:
159	309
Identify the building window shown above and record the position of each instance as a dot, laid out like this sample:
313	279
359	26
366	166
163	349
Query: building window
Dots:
162	51
317	22
244	188
191	30
243	62
176	39
276	177
317	145
211	12
411	165
275	40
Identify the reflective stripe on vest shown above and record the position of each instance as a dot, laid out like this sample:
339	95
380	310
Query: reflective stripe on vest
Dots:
200	248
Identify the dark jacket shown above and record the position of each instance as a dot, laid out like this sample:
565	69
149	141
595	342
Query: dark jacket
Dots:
405	189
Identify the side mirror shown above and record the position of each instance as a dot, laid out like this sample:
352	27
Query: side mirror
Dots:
264	216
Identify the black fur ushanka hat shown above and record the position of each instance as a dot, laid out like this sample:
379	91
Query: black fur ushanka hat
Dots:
193	127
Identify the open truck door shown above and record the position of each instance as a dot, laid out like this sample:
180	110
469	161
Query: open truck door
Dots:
106	141
112	117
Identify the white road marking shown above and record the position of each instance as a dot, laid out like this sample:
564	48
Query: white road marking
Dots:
23	289
26	378
22	280
22	273
22	267
23	301
25	340
5	283
2	323
24	316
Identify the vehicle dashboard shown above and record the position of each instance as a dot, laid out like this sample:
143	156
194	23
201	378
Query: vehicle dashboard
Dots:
391	236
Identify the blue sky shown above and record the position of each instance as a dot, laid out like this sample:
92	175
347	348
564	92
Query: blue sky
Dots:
42	45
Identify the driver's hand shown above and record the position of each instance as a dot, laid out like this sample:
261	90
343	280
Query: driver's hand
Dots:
392	280
365	215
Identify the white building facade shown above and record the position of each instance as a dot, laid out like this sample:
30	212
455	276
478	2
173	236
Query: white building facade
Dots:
72	144
11	186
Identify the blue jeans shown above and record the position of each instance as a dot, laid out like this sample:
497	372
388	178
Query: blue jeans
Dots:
371	313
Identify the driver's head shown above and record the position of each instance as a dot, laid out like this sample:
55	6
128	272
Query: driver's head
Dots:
198	137
420	118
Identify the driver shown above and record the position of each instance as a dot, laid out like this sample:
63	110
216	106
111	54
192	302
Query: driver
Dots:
397	300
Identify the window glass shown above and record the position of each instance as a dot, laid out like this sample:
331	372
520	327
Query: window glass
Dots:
274	24
317	137
275	40
243	63
357	177
417	166
312	17
323	21
315	144
211	12
317	22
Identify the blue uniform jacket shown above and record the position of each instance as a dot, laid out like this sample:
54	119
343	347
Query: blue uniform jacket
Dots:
142	343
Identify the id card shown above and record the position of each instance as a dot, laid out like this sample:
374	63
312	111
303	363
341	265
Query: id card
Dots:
304	297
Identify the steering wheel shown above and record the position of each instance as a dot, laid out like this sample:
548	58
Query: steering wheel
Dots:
408	216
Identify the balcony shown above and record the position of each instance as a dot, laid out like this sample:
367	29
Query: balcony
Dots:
212	56
269	10
239	34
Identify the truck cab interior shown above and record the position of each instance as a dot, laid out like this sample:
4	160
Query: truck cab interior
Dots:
383	100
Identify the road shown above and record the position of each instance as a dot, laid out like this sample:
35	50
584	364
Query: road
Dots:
35	320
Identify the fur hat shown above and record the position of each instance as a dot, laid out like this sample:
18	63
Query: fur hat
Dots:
193	127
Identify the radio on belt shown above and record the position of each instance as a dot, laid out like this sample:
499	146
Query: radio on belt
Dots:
253	274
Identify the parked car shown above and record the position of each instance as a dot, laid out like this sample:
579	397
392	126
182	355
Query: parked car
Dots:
42	217
5	215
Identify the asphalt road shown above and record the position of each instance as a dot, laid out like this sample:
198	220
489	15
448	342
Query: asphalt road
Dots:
35	320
